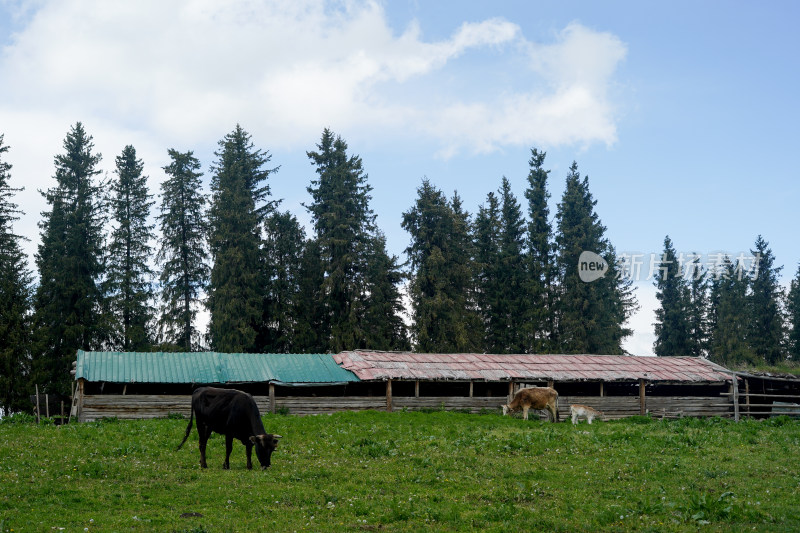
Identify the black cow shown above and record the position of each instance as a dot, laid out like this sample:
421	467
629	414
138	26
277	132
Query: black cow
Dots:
234	414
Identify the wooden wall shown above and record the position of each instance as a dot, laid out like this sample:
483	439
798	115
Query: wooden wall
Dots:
133	406
136	406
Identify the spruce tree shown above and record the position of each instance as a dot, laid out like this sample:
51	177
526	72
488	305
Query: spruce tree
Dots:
697	314
488	274
129	275
384	328
793	310
238	209
513	274
766	333
312	332
444	316
591	315
728	315
68	299
283	254
672	325
351	251
540	328
461	255
182	252
15	300
501	272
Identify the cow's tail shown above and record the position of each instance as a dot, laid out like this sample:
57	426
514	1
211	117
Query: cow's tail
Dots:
188	428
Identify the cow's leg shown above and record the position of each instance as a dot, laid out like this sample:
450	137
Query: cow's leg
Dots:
553	411
228	448
524	412
574	418
203	433
249	447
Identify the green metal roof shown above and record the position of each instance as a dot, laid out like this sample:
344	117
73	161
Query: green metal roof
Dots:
209	367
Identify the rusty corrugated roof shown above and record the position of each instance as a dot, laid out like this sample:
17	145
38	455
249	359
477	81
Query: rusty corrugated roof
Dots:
489	367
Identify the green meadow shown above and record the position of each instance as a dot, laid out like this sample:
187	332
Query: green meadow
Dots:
404	471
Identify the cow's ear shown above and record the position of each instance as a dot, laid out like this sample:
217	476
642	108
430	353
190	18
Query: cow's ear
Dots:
253	439
278	436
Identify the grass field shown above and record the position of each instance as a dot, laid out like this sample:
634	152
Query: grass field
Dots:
376	471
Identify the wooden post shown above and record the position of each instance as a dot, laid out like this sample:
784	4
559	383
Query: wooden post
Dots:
747	395
77	400
602	392
272	398
470	389
389	395
550	383
38	419
47	405
510	392
416	389
735	396
72	403
642	400
124	389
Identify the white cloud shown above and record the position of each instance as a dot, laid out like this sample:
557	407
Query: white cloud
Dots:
182	73
285	69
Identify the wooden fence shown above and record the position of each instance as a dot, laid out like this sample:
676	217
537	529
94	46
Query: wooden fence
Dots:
134	406
131	406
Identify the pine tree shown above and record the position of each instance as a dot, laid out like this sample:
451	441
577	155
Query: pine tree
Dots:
513	273
283	254
697	314
672	325
591	316
312	332
15	300
384	328
182	251
129	274
728	315
501	272
238	209
540	327
766	323
350	249
793	310
487	274
460	255
444	316
68	299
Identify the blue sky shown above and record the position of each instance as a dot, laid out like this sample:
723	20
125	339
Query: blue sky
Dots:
683	114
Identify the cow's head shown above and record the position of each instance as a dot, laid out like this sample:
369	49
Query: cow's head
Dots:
506	409
265	445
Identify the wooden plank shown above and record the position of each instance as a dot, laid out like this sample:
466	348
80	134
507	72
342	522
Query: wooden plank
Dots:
272	398
151	406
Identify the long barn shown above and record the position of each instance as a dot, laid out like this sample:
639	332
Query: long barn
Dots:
156	384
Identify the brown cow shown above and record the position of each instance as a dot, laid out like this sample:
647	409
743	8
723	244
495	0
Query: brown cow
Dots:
534	398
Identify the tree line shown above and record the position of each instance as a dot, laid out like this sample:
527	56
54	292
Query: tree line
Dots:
118	272
732	310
